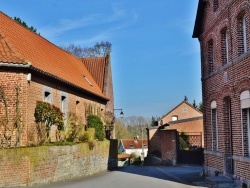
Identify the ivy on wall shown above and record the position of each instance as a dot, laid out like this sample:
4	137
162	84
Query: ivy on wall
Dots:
11	126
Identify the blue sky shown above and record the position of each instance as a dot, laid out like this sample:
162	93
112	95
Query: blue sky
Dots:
155	60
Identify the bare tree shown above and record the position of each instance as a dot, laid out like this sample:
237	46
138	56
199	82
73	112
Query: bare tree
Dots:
137	124
98	50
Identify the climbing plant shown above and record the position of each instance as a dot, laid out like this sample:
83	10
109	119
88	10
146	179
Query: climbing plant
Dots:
183	141
10	126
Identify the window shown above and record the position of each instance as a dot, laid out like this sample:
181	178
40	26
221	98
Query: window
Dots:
210	56
63	104
227	125
47	94
242	35
216	5
174	118
245	119
224	47
77	107
214	126
47	97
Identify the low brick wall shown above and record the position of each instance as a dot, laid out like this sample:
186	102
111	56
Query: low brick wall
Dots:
35	165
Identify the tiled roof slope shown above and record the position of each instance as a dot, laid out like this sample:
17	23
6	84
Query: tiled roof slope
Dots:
20	46
96	67
134	143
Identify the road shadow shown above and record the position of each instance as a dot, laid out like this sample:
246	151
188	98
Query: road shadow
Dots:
184	174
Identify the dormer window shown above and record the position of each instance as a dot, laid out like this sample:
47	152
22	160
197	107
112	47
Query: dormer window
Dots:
87	80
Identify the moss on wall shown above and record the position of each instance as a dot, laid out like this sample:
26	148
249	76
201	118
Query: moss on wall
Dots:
34	165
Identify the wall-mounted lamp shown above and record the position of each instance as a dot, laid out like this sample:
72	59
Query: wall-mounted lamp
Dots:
121	113
29	77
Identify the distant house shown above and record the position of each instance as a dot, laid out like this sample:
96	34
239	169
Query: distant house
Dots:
135	146
164	138
187	119
44	72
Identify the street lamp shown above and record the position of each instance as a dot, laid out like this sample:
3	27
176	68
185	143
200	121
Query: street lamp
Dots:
121	113
113	122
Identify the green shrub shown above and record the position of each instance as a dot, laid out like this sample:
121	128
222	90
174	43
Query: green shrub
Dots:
74	128
85	136
48	115
95	122
183	141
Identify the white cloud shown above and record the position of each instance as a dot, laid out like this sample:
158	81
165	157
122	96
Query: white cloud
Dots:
118	20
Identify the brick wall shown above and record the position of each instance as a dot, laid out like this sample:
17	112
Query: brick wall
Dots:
30	92
154	141
169	146
193	128
227	81
182	111
36	165
163	144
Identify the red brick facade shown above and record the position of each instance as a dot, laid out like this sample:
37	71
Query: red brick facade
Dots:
33	91
33	69
224	36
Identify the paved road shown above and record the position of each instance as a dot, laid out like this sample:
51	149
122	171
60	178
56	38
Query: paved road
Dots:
138	177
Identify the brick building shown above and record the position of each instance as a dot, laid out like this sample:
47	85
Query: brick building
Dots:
163	139
185	118
38	70
223	30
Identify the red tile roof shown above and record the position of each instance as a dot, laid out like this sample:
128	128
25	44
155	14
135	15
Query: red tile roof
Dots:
96	67
19	45
134	143
123	156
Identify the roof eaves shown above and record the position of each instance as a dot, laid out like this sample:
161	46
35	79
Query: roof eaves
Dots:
3	64
179	105
199	18
185	120
48	74
66	82
172	109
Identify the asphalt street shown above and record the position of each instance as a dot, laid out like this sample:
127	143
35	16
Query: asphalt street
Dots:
138	177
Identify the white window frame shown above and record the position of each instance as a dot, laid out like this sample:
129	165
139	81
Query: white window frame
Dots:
214	106
248	130
244	33
227	48
245	104
47	98
63	103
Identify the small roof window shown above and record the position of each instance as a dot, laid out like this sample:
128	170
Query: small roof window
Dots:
87	80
